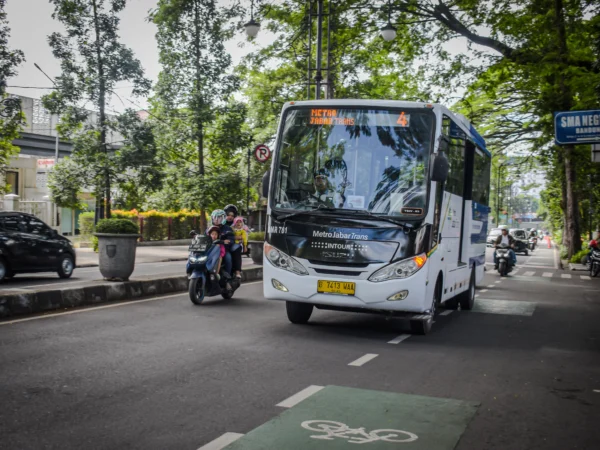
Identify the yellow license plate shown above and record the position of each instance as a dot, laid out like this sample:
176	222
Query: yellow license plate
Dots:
335	287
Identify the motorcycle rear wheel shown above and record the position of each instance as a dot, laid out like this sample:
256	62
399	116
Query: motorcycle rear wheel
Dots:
196	291
594	269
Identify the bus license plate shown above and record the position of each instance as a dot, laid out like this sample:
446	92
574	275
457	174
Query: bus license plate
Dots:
335	287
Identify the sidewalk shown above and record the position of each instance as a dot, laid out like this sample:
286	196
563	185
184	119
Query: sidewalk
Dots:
87	258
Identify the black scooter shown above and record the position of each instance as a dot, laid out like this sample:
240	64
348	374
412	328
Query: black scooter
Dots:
201	270
503	260
594	262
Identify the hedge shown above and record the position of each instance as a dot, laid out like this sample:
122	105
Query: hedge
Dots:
159	226
116	226
86	223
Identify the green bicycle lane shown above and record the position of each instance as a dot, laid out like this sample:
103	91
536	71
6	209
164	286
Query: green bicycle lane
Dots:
338	417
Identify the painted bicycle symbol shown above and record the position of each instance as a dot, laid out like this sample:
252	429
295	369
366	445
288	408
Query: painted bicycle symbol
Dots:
334	430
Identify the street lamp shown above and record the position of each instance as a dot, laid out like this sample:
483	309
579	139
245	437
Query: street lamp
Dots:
253	26
388	33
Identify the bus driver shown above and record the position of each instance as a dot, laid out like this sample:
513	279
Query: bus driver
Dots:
324	194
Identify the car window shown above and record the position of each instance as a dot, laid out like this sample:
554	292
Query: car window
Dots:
11	223
33	225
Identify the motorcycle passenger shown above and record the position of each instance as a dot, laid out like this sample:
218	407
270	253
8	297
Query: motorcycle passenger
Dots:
233	249
215	234
507	239
218	220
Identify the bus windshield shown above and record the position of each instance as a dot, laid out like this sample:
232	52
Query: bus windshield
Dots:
373	160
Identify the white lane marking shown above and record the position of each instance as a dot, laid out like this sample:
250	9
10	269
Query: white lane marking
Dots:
566	275
222	441
476	295
499	281
585	277
447	312
483	290
363	360
529	274
492	286
399	339
547	274
597	391
298	397
95	308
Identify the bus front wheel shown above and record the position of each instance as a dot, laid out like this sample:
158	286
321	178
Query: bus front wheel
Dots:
298	313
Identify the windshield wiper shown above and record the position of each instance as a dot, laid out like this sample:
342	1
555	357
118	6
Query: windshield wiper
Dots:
320	207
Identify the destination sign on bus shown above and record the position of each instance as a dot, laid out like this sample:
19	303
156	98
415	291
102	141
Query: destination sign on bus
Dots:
347	117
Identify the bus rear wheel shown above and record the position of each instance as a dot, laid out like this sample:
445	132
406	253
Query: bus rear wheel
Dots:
298	313
467	298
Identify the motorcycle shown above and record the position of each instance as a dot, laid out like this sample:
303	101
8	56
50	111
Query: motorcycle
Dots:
594	262
532	243
503	260
201	267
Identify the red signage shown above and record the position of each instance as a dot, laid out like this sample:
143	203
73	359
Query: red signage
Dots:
262	153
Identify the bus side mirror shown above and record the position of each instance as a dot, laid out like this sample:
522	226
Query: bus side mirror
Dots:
440	168
265	184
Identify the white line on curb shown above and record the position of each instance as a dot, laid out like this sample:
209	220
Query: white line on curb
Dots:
399	339
298	397
363	359
222	441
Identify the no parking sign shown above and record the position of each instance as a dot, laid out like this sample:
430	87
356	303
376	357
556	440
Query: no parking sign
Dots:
262	153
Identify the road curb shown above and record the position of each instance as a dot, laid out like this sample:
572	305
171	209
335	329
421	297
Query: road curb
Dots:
174	259
42	301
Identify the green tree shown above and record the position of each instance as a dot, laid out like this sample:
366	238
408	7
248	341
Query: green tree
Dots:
93	61
194	79
11	117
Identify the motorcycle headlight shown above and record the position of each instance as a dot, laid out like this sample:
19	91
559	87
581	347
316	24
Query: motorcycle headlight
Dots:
198	259
400	269
283	261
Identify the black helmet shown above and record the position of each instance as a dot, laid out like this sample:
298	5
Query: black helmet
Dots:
231	208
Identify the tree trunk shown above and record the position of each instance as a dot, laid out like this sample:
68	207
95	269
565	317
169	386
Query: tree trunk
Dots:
102	111
573	222
566	101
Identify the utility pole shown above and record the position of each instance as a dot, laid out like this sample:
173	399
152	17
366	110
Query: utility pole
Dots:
318	79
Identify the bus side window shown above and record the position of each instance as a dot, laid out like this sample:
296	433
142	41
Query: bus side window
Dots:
456	156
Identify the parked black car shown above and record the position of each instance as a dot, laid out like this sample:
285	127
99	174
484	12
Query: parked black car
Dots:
28	245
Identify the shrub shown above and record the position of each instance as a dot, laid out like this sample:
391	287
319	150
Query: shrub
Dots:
577	257
86	223
95	244
256	236
117	226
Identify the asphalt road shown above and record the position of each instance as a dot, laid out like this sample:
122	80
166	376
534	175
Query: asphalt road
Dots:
165	374
82	276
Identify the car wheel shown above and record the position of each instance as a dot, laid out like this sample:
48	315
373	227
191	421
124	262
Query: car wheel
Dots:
66	267
4	270
297	312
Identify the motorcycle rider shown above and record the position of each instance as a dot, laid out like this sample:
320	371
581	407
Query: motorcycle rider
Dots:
593	245
507	239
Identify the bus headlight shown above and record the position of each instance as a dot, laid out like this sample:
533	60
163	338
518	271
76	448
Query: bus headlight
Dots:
283	261
400	269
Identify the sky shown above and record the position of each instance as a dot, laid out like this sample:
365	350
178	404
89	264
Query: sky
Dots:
31	23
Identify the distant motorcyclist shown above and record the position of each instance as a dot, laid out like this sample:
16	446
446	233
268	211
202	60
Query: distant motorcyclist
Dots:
509	241
593	245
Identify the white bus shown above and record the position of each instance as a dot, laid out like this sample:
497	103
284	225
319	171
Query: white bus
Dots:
375	206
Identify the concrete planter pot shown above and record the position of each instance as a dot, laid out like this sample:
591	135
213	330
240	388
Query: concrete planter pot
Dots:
256	251
117	255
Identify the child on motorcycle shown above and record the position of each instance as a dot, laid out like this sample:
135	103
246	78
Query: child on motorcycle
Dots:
241	236
215	234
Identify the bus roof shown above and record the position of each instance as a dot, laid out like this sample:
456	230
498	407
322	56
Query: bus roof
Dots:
459	119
